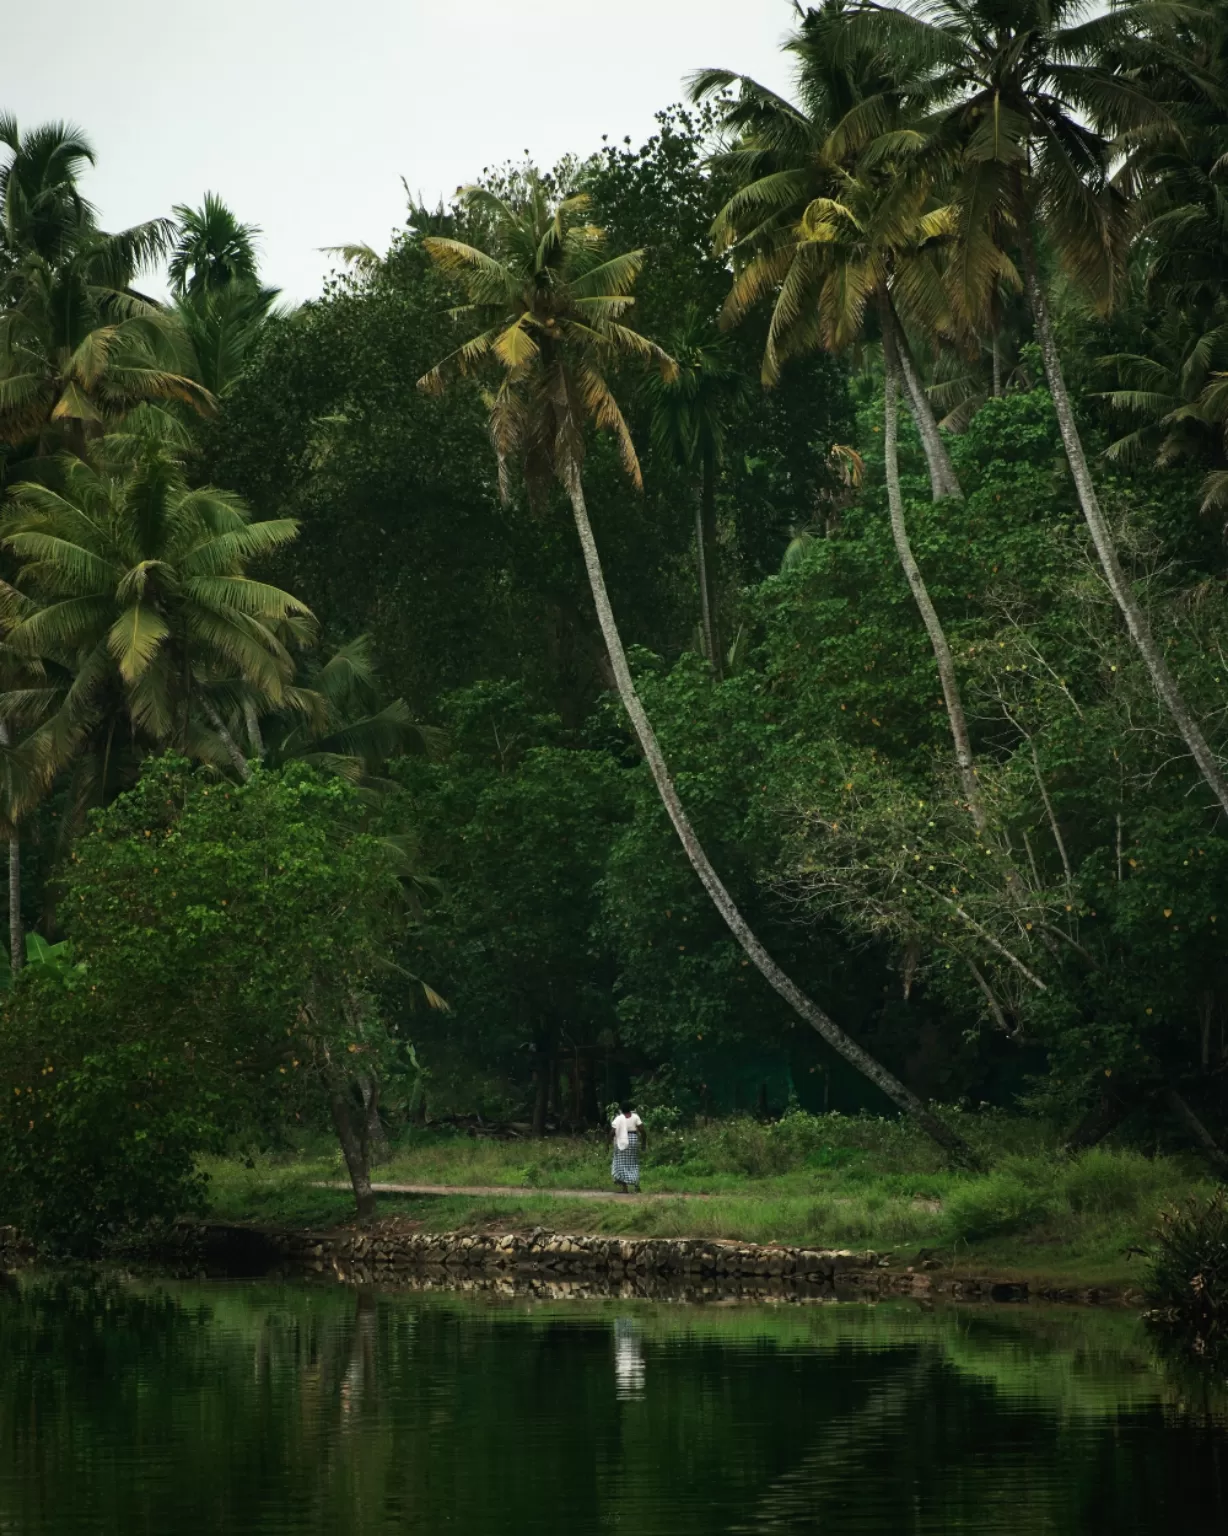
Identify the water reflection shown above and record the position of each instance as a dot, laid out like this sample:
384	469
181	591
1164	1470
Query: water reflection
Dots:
253	1409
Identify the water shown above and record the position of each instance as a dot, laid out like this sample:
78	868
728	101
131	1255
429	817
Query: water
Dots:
167	1409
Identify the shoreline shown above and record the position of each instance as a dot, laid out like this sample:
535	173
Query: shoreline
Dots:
393	1252
390	1252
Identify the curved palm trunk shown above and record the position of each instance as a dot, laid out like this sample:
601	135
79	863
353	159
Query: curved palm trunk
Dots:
943	479
807	1009
929	616
254	737
241	765
701	564
17	933
705	541
1162	679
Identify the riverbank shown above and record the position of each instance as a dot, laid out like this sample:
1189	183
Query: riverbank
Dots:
819	1183
541	1262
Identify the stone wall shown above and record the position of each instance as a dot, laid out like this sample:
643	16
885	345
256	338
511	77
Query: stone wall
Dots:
383	1253
682	1269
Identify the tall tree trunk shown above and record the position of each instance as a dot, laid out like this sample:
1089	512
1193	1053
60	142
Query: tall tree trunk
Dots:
705	549
255	738
351	1130
541	1094
802	1005
377	1137
1105	1115
929	616
590	1109
1211	1149
997	364
1162	679
241	765
17	933
943	479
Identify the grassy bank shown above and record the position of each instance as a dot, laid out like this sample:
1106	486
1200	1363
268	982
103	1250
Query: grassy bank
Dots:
823	1181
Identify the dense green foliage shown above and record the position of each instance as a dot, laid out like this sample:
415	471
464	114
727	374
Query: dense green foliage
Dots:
230	944
942	699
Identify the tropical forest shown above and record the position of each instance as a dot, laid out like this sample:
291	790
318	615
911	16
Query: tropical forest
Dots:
725	634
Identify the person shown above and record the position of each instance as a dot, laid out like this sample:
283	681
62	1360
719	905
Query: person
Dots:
627	1130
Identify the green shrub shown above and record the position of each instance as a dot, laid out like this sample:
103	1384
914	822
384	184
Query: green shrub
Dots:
994	1206
1187	1280
748	1146
100	1120
1107	1183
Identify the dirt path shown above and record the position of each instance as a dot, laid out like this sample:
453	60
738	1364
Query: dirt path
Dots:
512	1189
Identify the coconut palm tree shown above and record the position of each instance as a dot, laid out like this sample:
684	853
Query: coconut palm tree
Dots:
787	155
1030	109
79	345
867	249
219	327
688	409
219	302
132	595
338	719
42	209
547	301
25	771
212	249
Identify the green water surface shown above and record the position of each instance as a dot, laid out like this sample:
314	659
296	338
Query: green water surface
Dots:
168	1409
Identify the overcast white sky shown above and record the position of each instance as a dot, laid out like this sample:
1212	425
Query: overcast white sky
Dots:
304	115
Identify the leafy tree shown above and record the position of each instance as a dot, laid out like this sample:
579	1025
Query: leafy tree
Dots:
234	939
518	824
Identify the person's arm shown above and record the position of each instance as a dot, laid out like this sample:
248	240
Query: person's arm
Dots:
643	1134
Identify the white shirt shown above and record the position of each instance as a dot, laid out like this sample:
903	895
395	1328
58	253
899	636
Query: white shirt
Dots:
623	1125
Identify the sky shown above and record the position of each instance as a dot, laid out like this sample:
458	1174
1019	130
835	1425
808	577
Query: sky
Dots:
304	115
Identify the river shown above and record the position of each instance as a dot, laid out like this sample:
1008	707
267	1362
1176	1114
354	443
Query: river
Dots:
163	1408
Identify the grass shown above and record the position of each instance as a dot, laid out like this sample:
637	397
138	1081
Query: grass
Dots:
825	1181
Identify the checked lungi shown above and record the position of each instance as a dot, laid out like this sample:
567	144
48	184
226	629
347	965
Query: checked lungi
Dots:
625	1169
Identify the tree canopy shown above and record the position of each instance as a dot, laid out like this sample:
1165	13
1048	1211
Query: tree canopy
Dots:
890	414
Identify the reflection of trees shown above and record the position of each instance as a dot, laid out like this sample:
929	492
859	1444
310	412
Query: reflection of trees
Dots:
318	1409
837	1461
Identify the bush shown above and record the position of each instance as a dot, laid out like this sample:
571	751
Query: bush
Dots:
994	1206
755	1148
1106	1183
1187	1281
100	1122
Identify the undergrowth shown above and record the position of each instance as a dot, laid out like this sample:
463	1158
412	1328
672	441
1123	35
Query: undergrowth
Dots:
815	1180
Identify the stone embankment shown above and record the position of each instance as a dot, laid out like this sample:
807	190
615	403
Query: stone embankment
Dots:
680	1268
379	1249
552	1264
